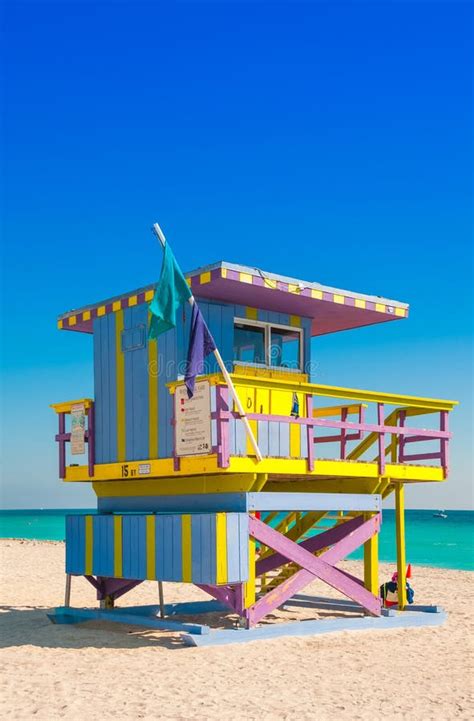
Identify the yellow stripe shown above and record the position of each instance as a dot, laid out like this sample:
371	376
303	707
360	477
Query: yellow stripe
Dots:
400	312
133	300
295	321
72	320
89	544
116	305
294	288
186	547
295	440
101	310
249	586
380	308
205	277
338	299
149	295
150	548
120	383
316	293
60	324
86	315
153	398
251	313
245	278
223	272
221	548
118	546
359	303
250	449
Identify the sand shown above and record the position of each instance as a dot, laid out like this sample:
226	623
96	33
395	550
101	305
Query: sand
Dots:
102	671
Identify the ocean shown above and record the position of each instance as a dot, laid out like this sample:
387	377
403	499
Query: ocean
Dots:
443	542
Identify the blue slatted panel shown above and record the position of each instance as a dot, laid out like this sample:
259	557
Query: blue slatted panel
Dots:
75	544
103	546
105	389
134	344
134	547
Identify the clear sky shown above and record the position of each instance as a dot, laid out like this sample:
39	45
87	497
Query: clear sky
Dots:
327	141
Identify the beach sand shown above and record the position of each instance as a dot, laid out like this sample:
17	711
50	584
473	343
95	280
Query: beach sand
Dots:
100	671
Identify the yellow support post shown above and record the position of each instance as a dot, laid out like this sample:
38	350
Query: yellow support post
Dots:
401	551
371	561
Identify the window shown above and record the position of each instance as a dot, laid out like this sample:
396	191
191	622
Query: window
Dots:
285	348
249	343
267	344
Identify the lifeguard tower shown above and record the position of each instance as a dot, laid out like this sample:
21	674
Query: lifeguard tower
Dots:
181	492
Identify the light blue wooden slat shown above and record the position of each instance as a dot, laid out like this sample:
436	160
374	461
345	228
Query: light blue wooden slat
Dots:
240	439
102	551
196	549
160	547
243	546
111	416
313	628
263	437
176	539
98	393
140	387
304	442
75	544
274	438
284	433
233	548
168	547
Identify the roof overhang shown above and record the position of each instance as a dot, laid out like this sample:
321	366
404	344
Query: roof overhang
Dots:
330	309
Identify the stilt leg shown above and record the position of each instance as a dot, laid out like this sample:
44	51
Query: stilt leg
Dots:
162	601
401	552
67	594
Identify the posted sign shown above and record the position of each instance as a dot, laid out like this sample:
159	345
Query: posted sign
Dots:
193	420
78	428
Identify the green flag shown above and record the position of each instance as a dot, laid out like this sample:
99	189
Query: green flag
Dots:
171	291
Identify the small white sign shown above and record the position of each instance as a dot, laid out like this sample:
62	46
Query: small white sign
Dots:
193	420
144	469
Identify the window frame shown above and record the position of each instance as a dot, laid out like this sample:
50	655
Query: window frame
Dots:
268	327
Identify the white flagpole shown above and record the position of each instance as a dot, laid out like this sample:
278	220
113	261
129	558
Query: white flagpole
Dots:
161	237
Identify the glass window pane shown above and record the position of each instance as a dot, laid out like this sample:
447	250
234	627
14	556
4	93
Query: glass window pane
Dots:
249	343
285	348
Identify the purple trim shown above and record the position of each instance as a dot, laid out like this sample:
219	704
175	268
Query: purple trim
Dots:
402	415
444	446
224	594
62	445
258	280
343	433
421	457
222	421
233	275
91	439
319	567
381	438
313	544
310	433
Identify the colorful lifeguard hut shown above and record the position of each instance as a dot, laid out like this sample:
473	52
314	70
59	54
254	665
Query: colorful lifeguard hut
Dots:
230	496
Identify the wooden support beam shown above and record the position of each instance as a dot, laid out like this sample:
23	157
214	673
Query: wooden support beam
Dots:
371	562
401	550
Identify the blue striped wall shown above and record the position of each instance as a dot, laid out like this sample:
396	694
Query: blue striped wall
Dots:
172	351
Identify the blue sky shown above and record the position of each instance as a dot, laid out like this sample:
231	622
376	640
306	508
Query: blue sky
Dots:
328	141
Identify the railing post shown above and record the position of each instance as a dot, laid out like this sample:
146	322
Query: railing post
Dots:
222	421
310	432
381	441
401	437
443	426
91	439
343	433
401	550
62	444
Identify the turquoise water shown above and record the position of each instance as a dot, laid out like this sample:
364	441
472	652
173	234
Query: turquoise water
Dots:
444	542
